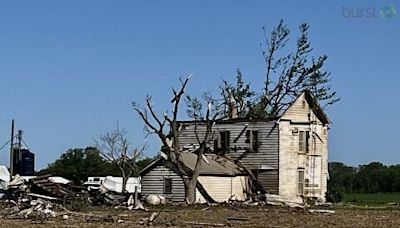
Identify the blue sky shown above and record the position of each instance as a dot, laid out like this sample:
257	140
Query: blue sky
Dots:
69	70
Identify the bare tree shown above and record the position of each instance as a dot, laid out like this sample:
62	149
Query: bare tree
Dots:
167	128
115	148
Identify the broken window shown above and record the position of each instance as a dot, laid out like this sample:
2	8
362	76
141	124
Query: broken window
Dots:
224	137
303	141
252	140
167	185
300	189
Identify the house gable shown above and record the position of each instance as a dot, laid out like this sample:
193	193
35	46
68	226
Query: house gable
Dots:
305	109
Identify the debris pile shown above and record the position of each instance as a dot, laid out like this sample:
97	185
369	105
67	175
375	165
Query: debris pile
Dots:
41	198
34	198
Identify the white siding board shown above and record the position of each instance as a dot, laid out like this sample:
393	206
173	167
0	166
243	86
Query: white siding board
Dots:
268	134
152	183
221	189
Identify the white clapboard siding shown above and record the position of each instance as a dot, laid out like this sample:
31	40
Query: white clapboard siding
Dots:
152	183
221	189
266	156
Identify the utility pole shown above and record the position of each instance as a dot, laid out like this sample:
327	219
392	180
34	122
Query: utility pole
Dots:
12	147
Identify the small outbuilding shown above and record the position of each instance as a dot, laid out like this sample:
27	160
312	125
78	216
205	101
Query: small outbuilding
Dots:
219	177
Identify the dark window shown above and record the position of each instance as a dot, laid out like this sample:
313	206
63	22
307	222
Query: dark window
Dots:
300	189
224	140
252	139
303	141
167	185
248	136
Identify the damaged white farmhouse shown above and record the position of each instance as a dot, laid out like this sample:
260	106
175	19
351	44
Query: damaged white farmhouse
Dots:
287	154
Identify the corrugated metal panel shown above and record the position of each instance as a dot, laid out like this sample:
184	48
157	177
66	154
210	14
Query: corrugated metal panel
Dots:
152	183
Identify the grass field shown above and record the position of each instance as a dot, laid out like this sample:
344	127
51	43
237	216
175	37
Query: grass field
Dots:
372	199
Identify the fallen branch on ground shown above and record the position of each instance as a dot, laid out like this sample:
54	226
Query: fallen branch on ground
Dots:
204	224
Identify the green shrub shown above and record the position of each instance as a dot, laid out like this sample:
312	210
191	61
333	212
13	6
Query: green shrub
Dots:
334	195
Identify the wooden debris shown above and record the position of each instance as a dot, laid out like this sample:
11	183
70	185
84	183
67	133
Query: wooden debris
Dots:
153	216
42	196
321	211
237	218
323	204
204	224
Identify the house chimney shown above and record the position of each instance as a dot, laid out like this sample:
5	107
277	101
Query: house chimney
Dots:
233	109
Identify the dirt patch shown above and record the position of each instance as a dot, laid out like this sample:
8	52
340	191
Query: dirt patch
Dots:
203	217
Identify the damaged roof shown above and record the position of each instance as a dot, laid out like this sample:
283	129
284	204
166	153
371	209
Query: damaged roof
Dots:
211	165
309	97
314	105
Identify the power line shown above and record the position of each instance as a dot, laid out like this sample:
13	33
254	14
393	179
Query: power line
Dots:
23	141
2	147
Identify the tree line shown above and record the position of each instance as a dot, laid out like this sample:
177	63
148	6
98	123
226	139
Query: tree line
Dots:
78	164
371	178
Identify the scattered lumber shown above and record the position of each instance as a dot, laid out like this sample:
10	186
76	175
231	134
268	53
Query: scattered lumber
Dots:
204	224
231	218
321	211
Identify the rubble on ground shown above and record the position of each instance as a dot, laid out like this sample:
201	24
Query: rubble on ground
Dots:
42	198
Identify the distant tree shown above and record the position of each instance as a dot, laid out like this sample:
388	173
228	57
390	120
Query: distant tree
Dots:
394	178
115	148
78	164
142	163
286	77
370	178
341	176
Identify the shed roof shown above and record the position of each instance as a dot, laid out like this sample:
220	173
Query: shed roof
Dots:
211	165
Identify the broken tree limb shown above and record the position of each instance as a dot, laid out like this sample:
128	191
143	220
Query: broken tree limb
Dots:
204	193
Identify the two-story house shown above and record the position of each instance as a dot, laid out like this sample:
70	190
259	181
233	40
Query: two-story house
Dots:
288	154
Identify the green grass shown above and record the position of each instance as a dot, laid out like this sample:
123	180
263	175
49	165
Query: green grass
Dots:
372	199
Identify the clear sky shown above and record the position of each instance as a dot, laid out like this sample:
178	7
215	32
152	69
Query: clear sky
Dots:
69	70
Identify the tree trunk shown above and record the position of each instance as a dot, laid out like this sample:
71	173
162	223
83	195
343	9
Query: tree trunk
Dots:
191	191
192	181
124	180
